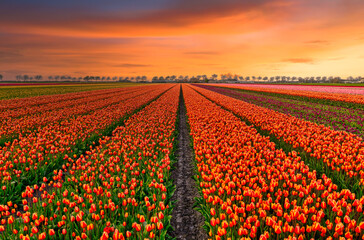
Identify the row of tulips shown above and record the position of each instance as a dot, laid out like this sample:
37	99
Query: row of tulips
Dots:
337	151
24	103
55	112
34	156
350	98
17	91
25	106
251	190
337	117
119	189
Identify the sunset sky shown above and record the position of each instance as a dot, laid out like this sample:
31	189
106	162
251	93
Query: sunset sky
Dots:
188	37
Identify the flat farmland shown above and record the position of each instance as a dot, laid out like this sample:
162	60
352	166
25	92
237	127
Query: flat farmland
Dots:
181	161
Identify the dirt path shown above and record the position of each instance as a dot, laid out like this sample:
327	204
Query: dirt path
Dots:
186	221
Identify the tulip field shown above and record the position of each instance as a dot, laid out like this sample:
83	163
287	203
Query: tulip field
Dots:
22	90
102	163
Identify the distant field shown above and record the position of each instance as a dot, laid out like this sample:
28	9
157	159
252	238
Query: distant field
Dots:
320	84
341	89
11	90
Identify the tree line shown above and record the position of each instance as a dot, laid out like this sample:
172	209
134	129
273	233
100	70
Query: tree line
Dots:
183	78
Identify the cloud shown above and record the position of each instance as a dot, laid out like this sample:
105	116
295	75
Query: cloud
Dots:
10	56
131	65
18	71
90	20
210	64
299	60
10	53
336	59
318	42
202	53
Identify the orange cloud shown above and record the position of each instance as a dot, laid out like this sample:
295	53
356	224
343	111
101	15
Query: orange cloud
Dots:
258	37
299	60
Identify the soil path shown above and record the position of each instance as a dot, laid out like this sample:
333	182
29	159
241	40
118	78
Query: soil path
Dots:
186	221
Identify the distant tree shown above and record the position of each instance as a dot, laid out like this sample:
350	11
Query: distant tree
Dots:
38	77
1	77
222	76
50	78
336	80
19	77
144	78
26	77
229	76
214	76
193	79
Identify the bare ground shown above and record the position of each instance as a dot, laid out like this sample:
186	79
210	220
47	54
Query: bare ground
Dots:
186	221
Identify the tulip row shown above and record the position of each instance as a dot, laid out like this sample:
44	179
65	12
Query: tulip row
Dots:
20	103
250	189
40	115
337	117
325	88
25	106
339	152
34	156
350	98
17	91
119	189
